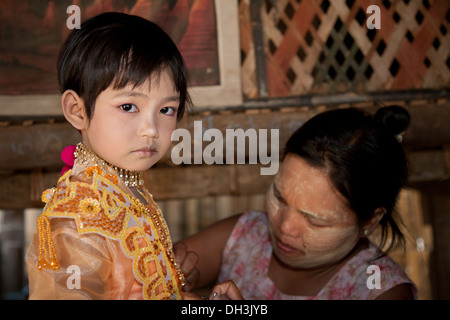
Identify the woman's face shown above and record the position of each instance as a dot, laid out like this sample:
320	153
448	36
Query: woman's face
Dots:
310	224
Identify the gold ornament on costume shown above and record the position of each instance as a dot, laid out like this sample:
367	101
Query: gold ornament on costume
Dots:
102	207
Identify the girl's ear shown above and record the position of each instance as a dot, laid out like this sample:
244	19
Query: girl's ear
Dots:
74	110
370	225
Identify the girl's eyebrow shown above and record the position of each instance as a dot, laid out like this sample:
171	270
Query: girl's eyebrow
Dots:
130	94
174	98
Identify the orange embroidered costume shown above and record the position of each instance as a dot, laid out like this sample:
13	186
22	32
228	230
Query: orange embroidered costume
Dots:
101	236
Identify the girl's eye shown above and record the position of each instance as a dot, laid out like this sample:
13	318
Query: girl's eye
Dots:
168	110
128	107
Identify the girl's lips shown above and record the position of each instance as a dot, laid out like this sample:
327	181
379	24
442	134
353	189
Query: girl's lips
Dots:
146	152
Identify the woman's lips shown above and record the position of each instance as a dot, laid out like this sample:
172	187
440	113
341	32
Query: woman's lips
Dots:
285	248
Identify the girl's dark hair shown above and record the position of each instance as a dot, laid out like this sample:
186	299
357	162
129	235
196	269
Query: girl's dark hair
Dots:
118	49
363	158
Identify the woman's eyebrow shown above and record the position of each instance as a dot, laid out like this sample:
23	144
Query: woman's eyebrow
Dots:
312	215
276	191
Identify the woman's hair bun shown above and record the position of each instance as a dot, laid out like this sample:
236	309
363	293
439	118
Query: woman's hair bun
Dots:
395	119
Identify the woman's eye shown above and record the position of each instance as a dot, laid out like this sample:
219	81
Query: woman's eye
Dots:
168	110
128	107
280	200
316	222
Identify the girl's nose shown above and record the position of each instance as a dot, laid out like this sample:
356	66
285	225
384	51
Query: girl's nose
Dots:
149	127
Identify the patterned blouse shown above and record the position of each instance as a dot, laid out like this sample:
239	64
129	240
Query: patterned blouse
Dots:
247	256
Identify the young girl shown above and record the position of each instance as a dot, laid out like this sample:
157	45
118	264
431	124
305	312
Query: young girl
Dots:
101	235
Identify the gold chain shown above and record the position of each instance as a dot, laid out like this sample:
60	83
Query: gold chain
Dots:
164	234
130	178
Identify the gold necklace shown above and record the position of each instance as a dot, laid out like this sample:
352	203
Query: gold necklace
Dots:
130	178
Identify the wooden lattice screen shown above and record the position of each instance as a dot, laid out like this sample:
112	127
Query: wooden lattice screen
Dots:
314	46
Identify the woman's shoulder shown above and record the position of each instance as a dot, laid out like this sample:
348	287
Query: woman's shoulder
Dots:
388	267
365	277
251	223
253	218
251	228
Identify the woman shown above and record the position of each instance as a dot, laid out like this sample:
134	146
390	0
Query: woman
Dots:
340	179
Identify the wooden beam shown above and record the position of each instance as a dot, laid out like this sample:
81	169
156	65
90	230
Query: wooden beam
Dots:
23	190
431	165
39	145
203	181
27	147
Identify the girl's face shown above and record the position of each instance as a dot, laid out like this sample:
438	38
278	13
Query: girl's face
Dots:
131	128
309	223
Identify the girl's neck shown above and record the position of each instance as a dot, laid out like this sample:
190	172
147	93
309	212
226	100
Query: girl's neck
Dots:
85	157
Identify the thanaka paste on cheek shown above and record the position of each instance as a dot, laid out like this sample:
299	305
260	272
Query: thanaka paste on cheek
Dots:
271	202
307	189
327	246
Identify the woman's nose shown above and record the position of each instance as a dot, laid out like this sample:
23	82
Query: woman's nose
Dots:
291	223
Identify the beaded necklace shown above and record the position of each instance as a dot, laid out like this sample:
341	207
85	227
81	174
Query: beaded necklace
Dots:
131	178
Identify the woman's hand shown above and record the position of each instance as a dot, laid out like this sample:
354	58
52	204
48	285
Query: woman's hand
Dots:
223	291
226	290
188	261
192	296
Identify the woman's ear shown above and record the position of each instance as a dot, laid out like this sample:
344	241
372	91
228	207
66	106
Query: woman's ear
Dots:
74	110
369	226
